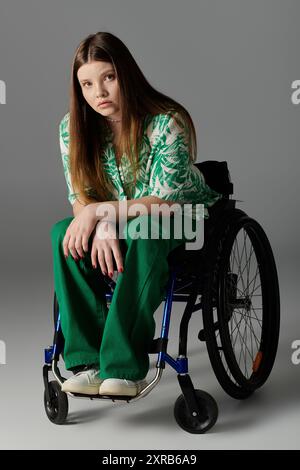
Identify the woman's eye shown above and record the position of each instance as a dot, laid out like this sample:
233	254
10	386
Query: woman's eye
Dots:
110	75
86	83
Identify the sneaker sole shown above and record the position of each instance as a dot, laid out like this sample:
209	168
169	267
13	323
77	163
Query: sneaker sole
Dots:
129	391
91	390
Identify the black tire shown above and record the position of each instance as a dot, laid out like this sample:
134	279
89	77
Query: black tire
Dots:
224	301
196	425
58	407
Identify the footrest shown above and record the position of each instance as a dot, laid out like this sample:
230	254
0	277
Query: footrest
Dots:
103	397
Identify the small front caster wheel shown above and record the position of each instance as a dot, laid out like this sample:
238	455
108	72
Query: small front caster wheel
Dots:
57	408
196	424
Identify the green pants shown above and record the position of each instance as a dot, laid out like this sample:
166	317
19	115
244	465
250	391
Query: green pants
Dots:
117	338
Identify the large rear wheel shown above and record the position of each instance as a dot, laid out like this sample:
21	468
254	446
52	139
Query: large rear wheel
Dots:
241	307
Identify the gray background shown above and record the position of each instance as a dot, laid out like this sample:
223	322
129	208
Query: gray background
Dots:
231	63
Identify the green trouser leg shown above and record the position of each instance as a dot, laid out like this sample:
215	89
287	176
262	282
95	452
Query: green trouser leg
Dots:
122	334
140	289
80	294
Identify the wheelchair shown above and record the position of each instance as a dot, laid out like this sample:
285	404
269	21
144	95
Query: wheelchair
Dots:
233	280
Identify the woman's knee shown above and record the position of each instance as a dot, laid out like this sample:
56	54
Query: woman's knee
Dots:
59	229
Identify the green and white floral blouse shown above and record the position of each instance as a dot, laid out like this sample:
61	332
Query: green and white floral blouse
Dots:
165	170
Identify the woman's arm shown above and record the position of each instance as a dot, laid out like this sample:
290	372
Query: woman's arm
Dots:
123	209
78	207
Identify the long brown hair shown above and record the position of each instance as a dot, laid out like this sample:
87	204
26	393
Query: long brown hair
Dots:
87	127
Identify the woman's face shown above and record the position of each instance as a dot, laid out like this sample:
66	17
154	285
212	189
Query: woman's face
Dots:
99	83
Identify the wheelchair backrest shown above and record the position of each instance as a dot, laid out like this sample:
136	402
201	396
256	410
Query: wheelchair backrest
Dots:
217	176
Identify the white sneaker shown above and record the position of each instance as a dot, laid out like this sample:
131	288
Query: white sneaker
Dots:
121	387
85	381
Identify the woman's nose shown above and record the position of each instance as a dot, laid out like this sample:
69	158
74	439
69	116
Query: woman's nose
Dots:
100	91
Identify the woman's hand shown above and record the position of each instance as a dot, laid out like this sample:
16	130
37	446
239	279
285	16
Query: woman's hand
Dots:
105	243
77	234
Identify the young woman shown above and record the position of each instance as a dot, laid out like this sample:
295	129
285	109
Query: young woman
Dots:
121	141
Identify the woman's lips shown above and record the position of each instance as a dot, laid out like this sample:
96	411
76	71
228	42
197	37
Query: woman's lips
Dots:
105	103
